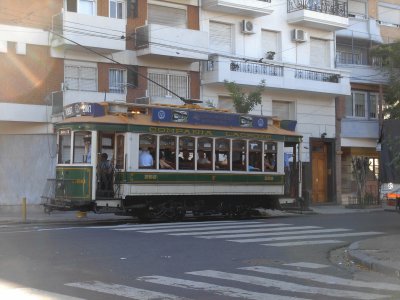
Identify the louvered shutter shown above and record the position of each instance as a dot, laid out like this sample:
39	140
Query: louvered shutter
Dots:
168	16
221	38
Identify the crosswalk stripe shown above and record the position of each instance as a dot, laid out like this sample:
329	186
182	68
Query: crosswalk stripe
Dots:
217	289
270	229
305	237
287	286
243	235
307	265
328	279
183	225
184	229
304	243
32	294
123	290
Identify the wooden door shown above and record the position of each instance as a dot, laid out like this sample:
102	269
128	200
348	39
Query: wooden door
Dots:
319	172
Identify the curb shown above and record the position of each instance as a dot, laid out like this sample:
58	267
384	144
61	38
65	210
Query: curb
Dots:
373	264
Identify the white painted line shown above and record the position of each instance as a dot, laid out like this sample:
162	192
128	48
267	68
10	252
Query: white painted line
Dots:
247	230
244	235
331	280
123	291
185	229
304	243
287	286
31	294
183	225
216	289
305	237
307	265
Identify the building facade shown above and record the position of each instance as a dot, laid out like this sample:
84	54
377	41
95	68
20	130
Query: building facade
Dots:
58	52
359	115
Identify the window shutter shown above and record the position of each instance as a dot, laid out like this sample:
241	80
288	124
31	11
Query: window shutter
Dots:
319	53
221	37
388	15
269	41
358	8
168	16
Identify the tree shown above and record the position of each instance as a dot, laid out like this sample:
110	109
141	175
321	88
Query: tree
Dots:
243	102
389	54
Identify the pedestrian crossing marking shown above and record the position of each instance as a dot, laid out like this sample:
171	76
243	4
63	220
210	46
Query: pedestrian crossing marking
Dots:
304	243
217	289
189	228
227	236
124	291
287	286
189	225
268	229
327	279
249	282
304	237
31	294
307	265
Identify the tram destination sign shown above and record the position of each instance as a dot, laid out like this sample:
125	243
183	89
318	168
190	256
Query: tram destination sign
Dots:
208	118
83	109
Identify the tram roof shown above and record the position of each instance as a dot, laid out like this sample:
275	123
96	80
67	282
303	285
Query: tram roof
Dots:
141	114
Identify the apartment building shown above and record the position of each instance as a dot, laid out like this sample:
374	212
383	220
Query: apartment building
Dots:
371	23
57	52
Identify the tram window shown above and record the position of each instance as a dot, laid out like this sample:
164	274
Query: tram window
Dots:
270	149
186	153
82	151
204	153
239	154
147	148
64	148
120	161
255	156
107	145
167	158
222	154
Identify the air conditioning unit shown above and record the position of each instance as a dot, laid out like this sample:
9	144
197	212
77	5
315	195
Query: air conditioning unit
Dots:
142	100
247	27
299	35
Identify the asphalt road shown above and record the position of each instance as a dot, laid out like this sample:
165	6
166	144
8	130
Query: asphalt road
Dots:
275	258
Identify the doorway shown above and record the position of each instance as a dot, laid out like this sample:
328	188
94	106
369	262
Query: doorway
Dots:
322	170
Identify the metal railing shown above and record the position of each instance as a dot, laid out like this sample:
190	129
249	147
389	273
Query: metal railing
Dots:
317	76
331	7
256	68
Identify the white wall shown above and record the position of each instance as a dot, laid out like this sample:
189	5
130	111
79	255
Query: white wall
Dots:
26	162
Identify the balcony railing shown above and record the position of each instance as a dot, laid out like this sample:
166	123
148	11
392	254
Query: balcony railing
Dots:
256	68
331	7
316	76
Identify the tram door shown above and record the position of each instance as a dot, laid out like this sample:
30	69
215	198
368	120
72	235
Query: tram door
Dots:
105	165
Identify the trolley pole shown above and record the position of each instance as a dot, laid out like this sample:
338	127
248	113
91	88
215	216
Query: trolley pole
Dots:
24	209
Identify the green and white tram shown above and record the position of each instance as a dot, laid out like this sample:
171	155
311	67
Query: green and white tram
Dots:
148	161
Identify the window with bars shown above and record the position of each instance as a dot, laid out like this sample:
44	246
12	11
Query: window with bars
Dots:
117	81
362	105
80	78
179	84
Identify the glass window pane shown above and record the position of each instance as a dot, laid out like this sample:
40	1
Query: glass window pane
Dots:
270	150
167	153
222	154
147	148
239	155
359	104
204	153
186	153
86	7
82	151
255	156
113	7
64	148
120	157
373	108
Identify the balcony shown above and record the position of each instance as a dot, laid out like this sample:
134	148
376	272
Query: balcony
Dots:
63	98
362	29
277	76
160	40
105	35
248	8
328	15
